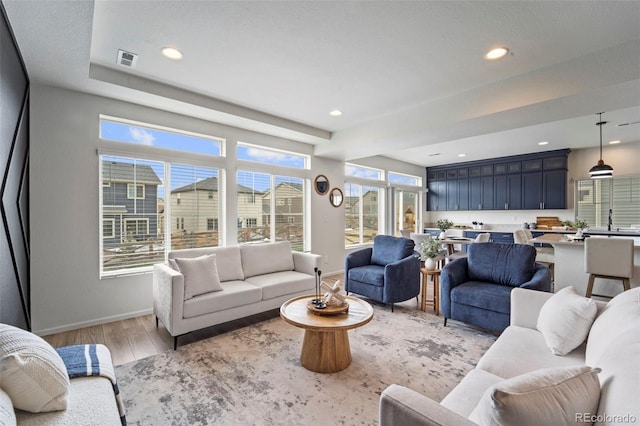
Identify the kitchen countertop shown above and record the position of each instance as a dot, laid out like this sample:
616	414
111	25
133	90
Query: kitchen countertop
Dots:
561	239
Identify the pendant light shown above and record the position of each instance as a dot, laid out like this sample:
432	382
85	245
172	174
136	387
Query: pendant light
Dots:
601	170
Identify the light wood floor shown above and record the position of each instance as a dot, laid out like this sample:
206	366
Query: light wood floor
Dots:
138	338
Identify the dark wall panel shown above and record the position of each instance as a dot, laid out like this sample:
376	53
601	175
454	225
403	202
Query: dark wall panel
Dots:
14	182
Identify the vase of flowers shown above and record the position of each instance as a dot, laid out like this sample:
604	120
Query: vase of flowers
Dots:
443	225
429	252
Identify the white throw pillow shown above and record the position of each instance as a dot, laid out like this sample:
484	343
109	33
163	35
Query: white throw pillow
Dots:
200	275
31	371
565	320
7	415
551	396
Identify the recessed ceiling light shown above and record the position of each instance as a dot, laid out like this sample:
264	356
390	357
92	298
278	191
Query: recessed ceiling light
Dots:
543	143
613	142
172	53
462	155
336	113
497	53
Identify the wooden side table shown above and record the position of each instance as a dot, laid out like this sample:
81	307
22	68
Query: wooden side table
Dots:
435	302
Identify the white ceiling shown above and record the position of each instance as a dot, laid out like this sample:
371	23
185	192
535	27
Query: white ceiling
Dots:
409	76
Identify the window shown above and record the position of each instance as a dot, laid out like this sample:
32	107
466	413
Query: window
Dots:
362	213
108	228
272	156
619	197
136	229
362	172
121	130
134	191
143	202
403	179
282	197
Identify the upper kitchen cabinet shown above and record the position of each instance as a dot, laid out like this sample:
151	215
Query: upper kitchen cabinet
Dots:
533	181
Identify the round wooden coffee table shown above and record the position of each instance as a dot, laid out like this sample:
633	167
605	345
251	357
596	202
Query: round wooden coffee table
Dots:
325	348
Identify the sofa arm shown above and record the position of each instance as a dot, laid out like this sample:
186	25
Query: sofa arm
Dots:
402	406
453	274
540	281
404	279
357	258
168	296
526	305
306	262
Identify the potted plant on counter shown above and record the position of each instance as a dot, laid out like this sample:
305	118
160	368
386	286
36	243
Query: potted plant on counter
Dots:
430	253
580	225
443	225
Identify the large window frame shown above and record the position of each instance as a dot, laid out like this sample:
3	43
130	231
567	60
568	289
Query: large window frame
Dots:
172	165
365	204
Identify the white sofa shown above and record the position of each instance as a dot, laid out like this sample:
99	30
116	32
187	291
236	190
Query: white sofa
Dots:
40	385
613	345
254	278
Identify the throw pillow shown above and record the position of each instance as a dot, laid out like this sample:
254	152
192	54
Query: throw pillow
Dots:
7	415
31	371
551	396
200	275
565	320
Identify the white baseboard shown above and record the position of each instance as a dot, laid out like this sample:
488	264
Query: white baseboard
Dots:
330	274
90	323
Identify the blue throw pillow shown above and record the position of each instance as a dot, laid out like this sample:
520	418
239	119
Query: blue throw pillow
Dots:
388	249
508	264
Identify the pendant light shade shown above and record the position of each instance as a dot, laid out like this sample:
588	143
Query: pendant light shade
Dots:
601	170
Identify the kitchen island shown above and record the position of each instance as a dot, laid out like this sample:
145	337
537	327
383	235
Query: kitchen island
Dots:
569	267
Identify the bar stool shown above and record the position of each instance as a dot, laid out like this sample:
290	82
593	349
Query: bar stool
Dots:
608	258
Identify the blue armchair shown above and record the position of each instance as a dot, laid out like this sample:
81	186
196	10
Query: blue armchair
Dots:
477	289
389	272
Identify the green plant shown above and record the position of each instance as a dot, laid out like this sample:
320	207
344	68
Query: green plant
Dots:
580	224
444	224
428	248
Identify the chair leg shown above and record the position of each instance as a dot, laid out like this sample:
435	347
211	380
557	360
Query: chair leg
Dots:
392	307
417	301
156	322
590	285
175	342
445	322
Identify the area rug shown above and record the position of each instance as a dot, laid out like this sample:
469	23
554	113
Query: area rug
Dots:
253	375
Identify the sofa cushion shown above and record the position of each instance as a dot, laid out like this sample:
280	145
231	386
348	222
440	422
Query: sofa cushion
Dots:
388	249
265	258
565	320
7	414
31	371
466	395
483	295
229	257
370	274
551	396
200	275
508	264
614	346
282	283
236	293
520	350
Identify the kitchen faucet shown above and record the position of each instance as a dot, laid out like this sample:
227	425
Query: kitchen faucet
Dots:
610	220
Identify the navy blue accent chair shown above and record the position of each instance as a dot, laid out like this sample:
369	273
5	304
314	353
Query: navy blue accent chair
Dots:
477	289
388	272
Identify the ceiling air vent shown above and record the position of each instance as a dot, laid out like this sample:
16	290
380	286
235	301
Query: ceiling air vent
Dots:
127	59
